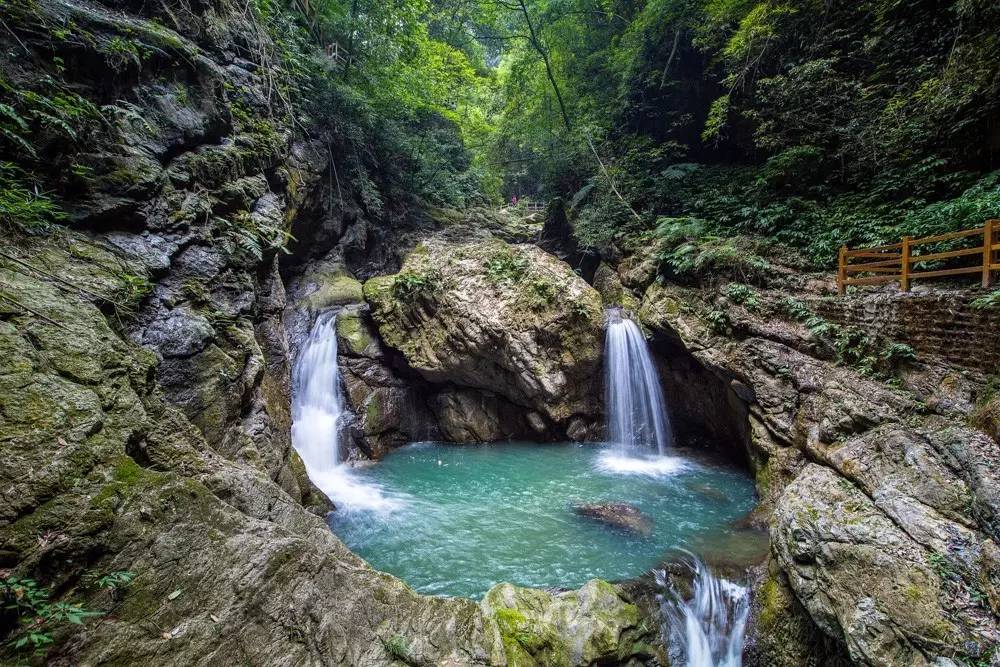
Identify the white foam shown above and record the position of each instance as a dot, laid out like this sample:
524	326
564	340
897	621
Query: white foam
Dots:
317	409
351	494
615	463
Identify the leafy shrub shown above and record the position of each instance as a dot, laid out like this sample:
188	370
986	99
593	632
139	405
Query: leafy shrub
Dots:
687	249
412	284
795	309
897	354
112	581
540	293
719	322
989	301
398	647
743	295
23	207
52	109
505	268
37	616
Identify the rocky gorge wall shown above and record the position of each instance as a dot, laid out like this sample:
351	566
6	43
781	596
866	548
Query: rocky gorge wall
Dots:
145	354
880	497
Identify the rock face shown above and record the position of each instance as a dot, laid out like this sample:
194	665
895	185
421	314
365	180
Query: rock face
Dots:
881	500
145	367
591	626
508	320
617	515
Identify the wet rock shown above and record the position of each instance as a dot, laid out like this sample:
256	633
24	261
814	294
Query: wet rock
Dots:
356	335
468	415
881	512
859	576
608	283
617	515
577	431
181	333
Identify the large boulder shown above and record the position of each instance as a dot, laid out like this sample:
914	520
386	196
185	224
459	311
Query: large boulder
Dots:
508	319
595	625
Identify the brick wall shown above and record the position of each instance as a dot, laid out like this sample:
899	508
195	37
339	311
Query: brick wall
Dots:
938	324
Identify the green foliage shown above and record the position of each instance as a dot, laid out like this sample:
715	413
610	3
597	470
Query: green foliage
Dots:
579	310
990	301
110	581
413	284
398	647
120	52
897	354
718	117
504	268
743	295
687	250
852	346
37	615
49	112
23	206
719	322
823	123
540	293
249	235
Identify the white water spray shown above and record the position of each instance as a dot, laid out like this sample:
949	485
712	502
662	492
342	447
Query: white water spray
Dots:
637	413
708	629
317	412
316	403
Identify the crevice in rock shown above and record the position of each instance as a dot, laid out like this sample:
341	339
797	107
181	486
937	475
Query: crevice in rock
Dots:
705	410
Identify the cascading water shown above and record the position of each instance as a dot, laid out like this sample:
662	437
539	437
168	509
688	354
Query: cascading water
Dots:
316	401
317	409
637	413
708	629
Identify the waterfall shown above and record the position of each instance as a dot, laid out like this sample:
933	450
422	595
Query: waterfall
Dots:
316	400
708	629
637	413
317	409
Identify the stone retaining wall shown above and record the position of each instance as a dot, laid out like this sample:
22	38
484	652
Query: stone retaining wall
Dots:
936	324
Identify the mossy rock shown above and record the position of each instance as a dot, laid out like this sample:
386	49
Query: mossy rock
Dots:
506	318
592	625
335	290
354	335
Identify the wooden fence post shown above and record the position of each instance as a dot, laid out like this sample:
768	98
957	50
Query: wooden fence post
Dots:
842	271
904	275
988	253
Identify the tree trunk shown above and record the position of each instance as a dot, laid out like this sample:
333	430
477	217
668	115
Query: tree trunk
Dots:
536	43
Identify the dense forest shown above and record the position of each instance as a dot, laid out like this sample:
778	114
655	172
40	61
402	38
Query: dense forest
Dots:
812	123
499	332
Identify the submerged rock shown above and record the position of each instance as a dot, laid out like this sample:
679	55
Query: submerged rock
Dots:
618	515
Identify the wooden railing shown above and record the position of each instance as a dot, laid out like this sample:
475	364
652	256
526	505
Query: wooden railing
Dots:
895	262
528	206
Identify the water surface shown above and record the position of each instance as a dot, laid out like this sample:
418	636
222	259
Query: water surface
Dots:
458	519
